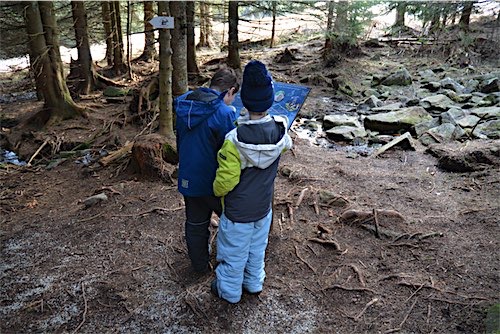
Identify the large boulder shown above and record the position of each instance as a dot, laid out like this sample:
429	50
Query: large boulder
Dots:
345	133
396	121
439	102
399	78
330	121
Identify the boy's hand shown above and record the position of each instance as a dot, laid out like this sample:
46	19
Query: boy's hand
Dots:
230	96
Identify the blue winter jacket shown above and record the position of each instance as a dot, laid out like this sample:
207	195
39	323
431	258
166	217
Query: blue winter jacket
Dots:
202	122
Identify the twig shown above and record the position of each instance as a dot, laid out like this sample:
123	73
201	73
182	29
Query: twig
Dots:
414	293
397	329
337	286
428	313
90	218
149	211
302	259
301	197
375	221
290	212
370	303
316	208
84	310
38	151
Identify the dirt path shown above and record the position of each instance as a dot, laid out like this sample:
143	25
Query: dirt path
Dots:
358	244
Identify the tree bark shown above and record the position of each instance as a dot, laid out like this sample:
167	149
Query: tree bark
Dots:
465	17
233	59
179	48
118	54
206	39
86	72
166	114
192	66
129	45
329	26
106	21
44	44
400	14
273	29
149	52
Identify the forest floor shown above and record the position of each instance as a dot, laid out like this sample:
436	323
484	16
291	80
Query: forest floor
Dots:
358	244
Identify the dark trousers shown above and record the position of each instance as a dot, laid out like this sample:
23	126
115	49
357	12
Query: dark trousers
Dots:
198	213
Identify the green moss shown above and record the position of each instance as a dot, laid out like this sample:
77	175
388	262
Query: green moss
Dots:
493	319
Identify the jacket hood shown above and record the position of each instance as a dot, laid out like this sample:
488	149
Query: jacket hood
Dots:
196	106
262	155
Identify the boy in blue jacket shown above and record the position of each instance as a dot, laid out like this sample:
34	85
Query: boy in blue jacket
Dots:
204	117
248	164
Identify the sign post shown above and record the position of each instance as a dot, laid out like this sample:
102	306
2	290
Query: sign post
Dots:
162	22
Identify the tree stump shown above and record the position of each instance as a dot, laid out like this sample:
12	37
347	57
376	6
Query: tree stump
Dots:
155	157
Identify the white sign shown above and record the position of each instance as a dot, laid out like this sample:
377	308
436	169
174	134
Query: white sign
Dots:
162	22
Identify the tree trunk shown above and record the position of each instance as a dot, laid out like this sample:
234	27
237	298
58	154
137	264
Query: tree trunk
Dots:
106	20
233	59
129	45
166	114
149	52
86	70
341	20
118	64
206	39
44	44
192	66
400	15
273	29
329	26
178	44
465	17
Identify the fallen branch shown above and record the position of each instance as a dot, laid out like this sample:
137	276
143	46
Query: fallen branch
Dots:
37	151
301	197
116	155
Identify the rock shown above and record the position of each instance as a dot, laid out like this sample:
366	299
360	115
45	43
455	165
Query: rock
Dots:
448	83
93	200
388	107
491	86
396	121
490	129
428	76
111	91
422	127
373	102
405	141
400	78
438	102
345	133
330	121
468	121
468	159
471	86
331	199
432	86
444	131
370	92
452	115
486	112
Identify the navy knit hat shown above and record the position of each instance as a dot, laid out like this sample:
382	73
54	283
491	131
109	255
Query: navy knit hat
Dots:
257	89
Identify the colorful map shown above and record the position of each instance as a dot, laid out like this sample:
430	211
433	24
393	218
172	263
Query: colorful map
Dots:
288	99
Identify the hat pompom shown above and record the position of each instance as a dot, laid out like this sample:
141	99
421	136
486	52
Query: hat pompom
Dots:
257	89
